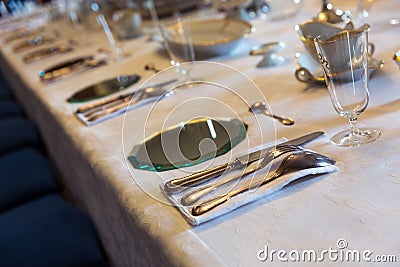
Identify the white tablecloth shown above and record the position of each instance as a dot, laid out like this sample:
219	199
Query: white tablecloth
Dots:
359	203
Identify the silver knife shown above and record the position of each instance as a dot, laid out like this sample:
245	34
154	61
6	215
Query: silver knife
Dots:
180	184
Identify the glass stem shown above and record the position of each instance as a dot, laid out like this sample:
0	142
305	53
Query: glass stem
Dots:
354	131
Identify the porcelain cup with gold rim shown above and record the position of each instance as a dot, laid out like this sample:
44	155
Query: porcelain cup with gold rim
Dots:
340	60
311	29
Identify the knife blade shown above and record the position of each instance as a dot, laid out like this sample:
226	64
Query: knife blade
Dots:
180	184
104	88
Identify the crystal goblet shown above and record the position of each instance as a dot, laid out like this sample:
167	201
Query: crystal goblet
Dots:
344	60
175	32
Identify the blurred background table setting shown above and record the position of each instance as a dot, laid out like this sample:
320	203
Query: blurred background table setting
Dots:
198	132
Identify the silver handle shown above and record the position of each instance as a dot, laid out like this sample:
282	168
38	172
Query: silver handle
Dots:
113	109
211	204
194	195
180	184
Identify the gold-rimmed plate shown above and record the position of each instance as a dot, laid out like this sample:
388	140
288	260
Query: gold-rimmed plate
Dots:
213	37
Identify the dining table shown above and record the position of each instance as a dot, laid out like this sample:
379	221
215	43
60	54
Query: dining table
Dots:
354	210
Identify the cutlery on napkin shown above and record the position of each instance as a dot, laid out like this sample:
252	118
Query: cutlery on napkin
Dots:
244	198
70	67
108	108
46	52
178	184
33	42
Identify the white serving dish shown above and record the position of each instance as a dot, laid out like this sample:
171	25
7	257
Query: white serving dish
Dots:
213	37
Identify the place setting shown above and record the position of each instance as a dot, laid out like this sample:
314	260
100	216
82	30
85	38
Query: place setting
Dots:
184	41
343	57
200	133
229	33
212	146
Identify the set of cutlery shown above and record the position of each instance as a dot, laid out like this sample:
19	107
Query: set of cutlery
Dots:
107	108
203	191
35	41
22	34
47	52
70	67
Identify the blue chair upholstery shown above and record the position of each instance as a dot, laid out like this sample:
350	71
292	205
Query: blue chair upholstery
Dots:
24	175
5	91
10	108
48	232
17	132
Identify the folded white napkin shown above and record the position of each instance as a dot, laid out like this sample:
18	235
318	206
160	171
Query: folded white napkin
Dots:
245	197
85	120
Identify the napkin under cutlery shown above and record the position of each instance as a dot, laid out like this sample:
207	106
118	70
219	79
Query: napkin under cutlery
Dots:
246	197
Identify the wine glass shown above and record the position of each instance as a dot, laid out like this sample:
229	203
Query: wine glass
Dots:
174	29
344	60
116	50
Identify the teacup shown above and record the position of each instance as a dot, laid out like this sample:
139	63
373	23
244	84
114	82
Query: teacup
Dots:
339	59
311	29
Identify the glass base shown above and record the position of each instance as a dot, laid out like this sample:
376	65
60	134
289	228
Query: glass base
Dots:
346	139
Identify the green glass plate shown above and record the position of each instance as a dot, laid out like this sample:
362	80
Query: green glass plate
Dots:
187	144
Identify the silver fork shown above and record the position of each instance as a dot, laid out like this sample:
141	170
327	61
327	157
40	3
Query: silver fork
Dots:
198	193
295	161
209	174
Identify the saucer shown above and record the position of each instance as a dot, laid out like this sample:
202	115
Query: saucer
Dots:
309	70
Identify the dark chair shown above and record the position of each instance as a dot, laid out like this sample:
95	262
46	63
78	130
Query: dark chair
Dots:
17	132
48	232
5	90
24	175
9	108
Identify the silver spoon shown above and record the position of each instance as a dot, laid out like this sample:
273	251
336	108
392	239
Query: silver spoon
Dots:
297	161
261	107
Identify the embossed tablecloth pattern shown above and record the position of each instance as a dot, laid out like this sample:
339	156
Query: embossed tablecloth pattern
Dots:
360	202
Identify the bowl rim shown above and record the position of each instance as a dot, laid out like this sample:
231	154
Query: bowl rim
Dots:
249	28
